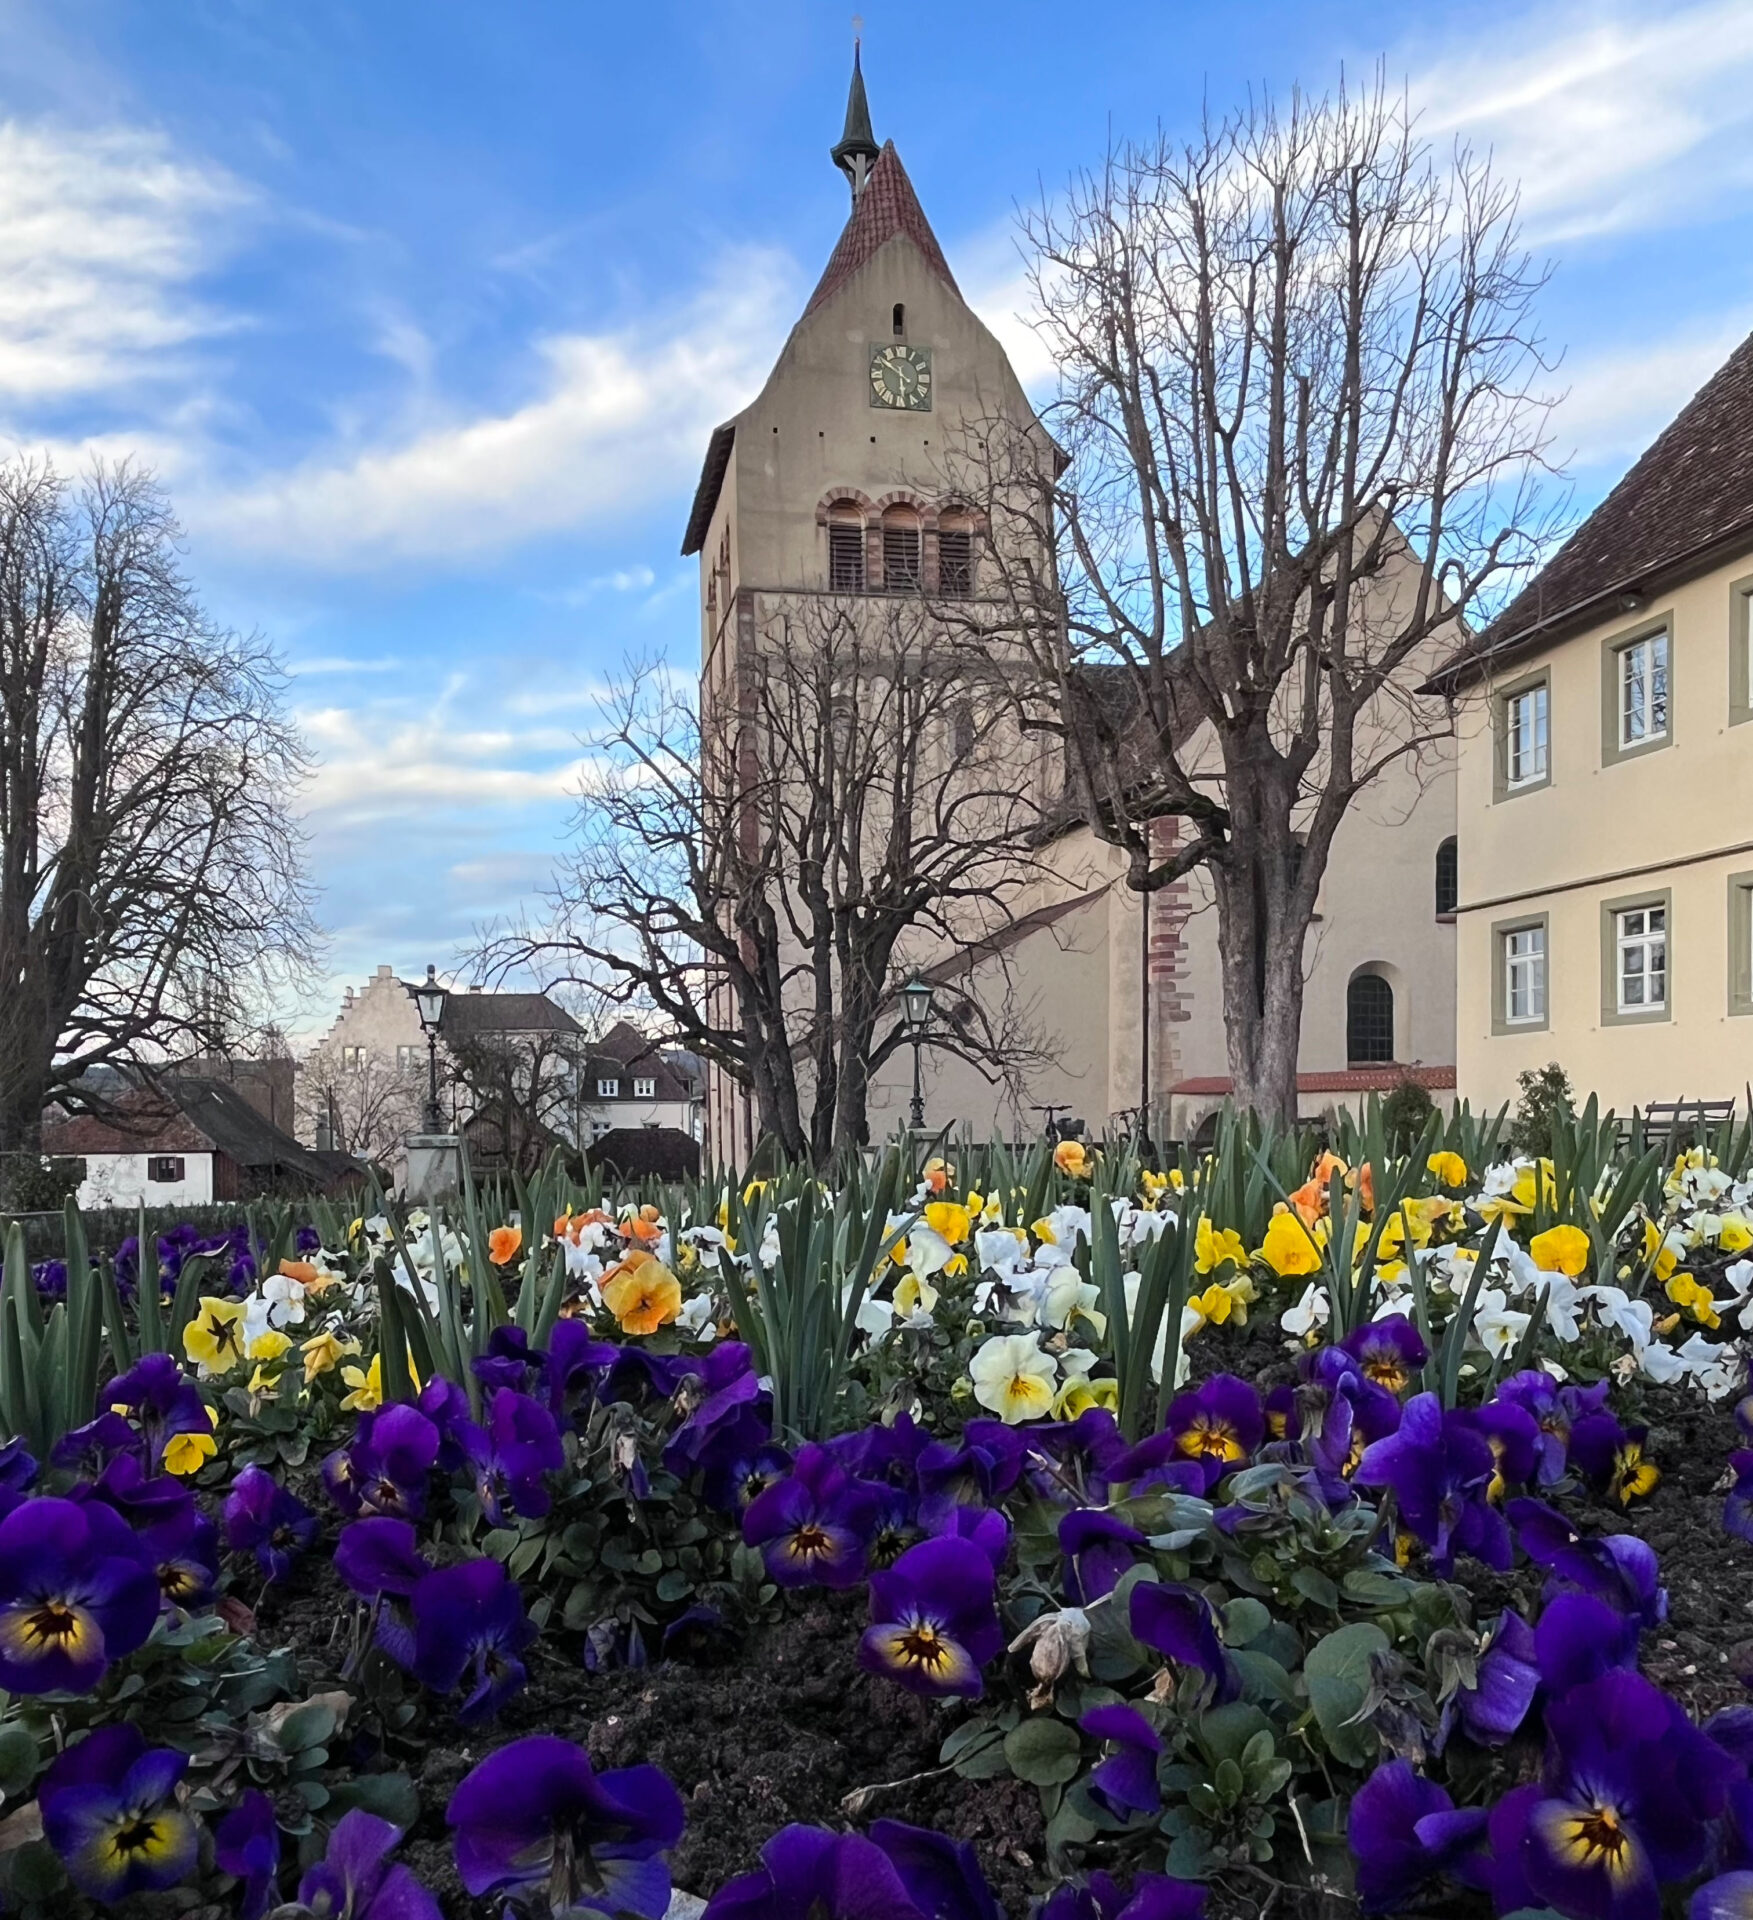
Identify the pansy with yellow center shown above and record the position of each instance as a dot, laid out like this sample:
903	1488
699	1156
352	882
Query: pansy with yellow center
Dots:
186	1453
1660	1257
642	1293
1219	1424
367	1385
1212	1246
214	1336
109	1809
1696	1298
1081	1393
1013	1378
934	1619
952	1221
1561	1249
913	1295
269	1344
1288	1249
325	1352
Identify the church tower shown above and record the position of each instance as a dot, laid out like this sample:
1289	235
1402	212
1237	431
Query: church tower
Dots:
830	483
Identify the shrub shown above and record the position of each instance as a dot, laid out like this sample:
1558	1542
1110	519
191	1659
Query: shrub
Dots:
1543	1096
1404	1114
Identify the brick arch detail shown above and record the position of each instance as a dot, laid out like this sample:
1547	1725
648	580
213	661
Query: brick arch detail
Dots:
836	494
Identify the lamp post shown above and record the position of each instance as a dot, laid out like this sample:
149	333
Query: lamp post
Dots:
916	1013
429	998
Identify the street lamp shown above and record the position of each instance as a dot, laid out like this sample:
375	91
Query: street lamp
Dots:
916	1013
429	998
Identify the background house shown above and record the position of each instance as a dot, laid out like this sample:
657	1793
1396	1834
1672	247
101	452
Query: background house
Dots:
1606	787
188	1141
627	1081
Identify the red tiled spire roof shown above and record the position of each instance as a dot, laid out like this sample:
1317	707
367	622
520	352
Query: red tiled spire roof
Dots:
887	206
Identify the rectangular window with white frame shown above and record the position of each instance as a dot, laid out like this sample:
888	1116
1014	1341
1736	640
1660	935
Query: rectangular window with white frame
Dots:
1641	951
608	1089
1641	670
644	1089
1526	737
1524	976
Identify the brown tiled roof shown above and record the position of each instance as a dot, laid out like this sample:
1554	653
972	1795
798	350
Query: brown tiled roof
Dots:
711	480
887	206
1689	496
143	1124
467	1015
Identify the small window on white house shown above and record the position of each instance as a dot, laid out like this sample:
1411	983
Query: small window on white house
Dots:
608	1089
407	1059
1641	950
1525	742
645	1089
1524	976
1642	670
164	1169
599	1127
352	1059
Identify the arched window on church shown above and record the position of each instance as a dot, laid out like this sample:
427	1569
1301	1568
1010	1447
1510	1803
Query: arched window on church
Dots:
955	555
845	547
1369	1021
1448	877
900	320
903	550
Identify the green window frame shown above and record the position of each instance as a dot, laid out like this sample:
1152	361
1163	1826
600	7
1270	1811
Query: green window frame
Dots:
1638	937
1503	932
1740	650
1741	943
1505	706
1622	696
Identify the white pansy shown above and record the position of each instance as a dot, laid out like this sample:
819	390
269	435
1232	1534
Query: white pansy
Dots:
1014	1378
1615	1308
1068	1295
928	1252
1497	1326
1000	1250
1662	1364
1310	1313
698	1318
874	1318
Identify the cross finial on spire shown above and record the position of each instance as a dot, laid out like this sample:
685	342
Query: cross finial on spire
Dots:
858	148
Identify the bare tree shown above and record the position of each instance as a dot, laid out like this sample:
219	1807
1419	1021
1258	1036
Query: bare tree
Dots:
859	802
364	1101
147	849
525	1086
1297	376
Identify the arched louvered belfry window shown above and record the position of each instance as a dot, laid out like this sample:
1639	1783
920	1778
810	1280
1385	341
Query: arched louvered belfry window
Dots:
845	547
1369	1021
903	550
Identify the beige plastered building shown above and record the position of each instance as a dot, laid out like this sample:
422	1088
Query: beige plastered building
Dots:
887	369
1605	790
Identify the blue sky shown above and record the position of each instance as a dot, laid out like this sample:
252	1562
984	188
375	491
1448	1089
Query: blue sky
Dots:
422	312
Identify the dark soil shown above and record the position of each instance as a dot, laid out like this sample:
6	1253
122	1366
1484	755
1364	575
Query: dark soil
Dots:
793	1726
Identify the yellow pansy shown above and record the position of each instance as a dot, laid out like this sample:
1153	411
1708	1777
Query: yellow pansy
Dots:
913	1295
185	1453
1287	1249
1213	1246
1448	1168
1044	1234
953	1222
642	1294
1696	1298
214	1338
1662	1258
1212	1306
367	1384
324	1353
1734	1235
1079	1395
269	1344
1072	1158
1562	1249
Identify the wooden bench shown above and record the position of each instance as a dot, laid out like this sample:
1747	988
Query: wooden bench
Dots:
1676	1122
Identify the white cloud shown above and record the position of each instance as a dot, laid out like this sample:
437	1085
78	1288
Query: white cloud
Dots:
340	664
1620	399
102	234
1613	118
374	766
619	419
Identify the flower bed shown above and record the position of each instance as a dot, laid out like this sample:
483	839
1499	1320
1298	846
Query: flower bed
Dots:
863	1550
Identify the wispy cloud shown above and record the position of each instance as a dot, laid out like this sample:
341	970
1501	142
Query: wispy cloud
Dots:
617	420
340	664
103	235
1613	118
1618	400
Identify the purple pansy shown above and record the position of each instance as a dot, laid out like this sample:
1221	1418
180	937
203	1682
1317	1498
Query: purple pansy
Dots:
247	1846
354	1880
934	1619
537	1814
1178	1622
109	1809
470	1627
941	1876
1440	1467
77	1590
1506	1678
269	1520
1098	1548
814	1525
1403	1830
512	1455
1125	1782
1389	1351
1219	1425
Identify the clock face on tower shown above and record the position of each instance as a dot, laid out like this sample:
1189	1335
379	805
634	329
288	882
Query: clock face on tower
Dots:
900	377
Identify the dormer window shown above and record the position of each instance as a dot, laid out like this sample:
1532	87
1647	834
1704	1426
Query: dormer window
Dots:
903	550
845	548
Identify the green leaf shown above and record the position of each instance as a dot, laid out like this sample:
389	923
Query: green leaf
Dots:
306	1726
18	1758
1316	1587
1044	1751
391	1796
1244	1621
1338	1674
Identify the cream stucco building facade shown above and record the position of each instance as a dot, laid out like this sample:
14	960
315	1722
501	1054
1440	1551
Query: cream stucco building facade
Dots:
1605	798
887	371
